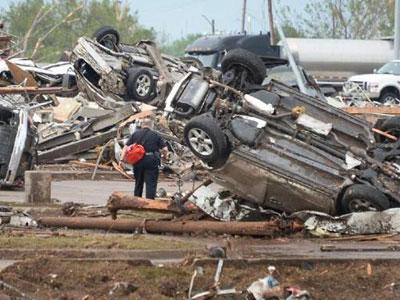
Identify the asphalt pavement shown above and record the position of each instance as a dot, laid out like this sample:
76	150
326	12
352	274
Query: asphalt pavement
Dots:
87	191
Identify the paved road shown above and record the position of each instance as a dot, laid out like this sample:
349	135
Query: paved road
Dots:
86	191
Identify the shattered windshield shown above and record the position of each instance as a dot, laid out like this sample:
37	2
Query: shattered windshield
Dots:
207	59
390	68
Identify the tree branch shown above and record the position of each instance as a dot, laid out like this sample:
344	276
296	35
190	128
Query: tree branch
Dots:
41	14
63	21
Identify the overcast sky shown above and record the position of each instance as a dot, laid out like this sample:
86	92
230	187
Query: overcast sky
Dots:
177	18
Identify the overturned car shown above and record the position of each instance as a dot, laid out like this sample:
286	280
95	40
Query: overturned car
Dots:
110	72
268	144
277	148
16	144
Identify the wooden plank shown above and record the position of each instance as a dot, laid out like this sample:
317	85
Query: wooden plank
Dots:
390	110
19	75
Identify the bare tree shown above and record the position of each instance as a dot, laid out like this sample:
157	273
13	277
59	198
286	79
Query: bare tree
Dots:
347	19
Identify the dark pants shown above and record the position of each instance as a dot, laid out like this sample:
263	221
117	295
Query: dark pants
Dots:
146	171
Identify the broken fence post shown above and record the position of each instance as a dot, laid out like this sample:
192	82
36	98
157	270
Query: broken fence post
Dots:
37	187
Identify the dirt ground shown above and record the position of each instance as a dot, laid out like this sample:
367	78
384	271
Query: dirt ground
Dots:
45	278
87	264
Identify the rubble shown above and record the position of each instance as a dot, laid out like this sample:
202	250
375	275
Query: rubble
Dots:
215	290
362	223
121	289
16	218
267	287
228	122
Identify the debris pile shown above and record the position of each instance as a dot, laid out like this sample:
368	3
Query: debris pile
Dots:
266	145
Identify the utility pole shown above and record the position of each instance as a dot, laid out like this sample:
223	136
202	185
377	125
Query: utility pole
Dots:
244	16
212	23
271	22
397	30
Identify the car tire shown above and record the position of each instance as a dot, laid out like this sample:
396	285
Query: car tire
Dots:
141	85
206	140
388	97
362	197
245	60
107	36
391	126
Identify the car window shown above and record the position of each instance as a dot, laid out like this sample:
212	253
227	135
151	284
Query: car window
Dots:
390	68
207	59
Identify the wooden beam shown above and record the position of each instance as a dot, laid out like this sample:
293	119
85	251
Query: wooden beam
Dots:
390	110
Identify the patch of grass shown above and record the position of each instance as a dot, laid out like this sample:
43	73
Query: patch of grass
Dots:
96	241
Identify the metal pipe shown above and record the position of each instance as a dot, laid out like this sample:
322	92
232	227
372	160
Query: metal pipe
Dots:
293	65
266	228
244	16
397	30
271	22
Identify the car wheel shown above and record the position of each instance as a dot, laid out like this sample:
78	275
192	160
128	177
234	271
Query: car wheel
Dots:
107	36
244	65
141	85
389	98
205	138
362	197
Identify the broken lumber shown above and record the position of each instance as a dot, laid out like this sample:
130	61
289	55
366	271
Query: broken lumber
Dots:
32	90
124	201
385	134
121	171
391	110
266	228
90	165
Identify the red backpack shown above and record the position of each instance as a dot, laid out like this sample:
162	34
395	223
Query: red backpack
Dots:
135	152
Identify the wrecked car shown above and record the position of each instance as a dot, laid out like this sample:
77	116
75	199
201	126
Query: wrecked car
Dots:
110	72
22	71
274	147
16	144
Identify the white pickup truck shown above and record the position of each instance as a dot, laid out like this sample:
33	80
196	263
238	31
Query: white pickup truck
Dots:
383	85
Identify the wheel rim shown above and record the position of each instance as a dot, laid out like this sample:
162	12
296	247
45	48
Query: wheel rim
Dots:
143	84
200	141
360	205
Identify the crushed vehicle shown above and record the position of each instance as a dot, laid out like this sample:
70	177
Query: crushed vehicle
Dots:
277	148
22	71
269	145
110	72
16	138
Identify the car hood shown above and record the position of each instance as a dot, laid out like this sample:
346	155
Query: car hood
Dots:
374	77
